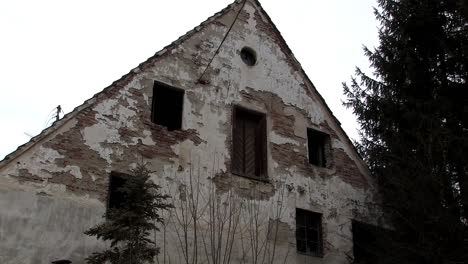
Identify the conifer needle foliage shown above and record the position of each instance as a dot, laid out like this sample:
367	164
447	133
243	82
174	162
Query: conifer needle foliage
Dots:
128	226
413	113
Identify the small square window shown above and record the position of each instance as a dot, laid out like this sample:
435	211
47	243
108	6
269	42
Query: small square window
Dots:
309	233
167	106
318	144
249	144
116	198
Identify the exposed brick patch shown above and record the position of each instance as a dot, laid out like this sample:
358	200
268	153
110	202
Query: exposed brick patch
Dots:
80	186
252	95
344	167
164	139
244	187
25	176
94	181
347	170
286	157
87	118
70	144
282	124
126	134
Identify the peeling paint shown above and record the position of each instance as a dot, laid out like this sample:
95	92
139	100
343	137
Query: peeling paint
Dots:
278	139
68	170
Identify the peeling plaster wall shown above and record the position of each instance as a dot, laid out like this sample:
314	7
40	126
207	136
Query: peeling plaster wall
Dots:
57	188
38	228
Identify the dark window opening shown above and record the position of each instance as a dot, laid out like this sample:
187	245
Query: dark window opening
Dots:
317	145
248	56
167	106
249	144
309	232
116	198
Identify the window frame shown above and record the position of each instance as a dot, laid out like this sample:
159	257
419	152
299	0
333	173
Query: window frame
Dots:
309	215
324	141
110	191
248	56
262	149
158	85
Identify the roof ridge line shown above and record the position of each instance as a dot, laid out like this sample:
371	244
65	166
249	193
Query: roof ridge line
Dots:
366	167
89	102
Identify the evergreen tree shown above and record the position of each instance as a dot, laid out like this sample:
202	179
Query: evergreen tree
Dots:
413	114
128	226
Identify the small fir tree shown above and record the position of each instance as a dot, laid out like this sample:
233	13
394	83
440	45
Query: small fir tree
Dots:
128	226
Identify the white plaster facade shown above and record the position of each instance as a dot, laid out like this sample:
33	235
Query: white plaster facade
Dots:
54	187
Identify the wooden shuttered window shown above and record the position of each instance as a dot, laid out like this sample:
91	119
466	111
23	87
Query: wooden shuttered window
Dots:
249	144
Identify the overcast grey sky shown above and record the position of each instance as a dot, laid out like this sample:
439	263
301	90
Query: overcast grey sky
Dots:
63	52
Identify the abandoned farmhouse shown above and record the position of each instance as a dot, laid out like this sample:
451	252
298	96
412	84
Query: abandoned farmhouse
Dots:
236	134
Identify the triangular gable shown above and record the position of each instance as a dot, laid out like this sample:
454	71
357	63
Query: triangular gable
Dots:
124	80
115	85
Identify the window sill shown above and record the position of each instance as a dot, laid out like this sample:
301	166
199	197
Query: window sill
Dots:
263	179
161	127
309	254
320	167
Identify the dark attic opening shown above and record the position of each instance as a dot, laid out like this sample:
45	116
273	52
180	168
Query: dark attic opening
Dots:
116	197
317	144
167	106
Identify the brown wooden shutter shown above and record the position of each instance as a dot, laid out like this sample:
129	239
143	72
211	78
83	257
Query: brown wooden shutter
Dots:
251	153
261	148
237	144
248	144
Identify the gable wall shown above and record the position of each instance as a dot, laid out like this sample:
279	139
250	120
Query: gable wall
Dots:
59	185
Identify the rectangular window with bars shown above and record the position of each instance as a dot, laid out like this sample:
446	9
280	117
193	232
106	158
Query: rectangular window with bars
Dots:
309	233
249	144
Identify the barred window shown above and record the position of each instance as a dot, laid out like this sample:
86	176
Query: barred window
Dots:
309	232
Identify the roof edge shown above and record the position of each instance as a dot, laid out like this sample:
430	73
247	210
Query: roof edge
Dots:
361	160
118	83
123	80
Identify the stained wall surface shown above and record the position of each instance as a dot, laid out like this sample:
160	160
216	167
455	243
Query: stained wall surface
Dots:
55	187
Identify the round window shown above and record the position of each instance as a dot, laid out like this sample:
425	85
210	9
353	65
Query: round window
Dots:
248	56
